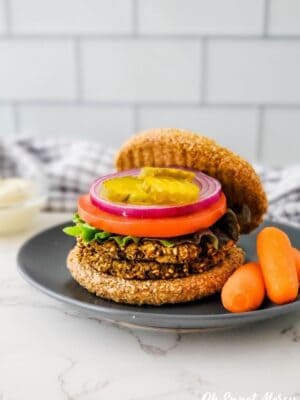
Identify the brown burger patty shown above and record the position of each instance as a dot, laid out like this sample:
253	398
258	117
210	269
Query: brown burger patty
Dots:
150	259
155	292
149	250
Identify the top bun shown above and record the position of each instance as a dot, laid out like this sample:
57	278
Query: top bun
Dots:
168	147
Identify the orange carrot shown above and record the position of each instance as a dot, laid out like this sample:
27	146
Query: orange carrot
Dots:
297	260
278	265
244	290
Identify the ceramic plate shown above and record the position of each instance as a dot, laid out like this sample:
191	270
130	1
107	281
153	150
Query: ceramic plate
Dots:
42	262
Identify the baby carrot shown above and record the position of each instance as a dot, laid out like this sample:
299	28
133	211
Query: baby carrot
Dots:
244	290
297	260
278	265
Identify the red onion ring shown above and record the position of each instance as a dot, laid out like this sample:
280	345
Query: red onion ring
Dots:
210	192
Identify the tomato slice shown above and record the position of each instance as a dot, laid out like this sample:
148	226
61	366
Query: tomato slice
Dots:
164	227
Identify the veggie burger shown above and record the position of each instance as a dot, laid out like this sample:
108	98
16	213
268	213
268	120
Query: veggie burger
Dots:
165	227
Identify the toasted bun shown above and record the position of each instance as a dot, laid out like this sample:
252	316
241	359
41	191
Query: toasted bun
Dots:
155	292
176	147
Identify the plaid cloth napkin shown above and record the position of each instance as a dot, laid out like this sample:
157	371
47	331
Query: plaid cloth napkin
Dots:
66	168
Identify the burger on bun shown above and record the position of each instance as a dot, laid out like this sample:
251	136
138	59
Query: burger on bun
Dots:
164	228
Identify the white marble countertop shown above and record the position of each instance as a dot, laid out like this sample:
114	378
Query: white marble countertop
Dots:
50	350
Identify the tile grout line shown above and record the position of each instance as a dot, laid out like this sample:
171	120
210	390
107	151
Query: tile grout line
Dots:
16	115
136	118
260	136
78	69
204	72
154	104
7	14
130	36
134	16
266	19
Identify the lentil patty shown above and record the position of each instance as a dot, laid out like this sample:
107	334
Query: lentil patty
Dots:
155	292
150	259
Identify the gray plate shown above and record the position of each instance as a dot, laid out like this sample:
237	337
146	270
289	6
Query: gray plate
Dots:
42	263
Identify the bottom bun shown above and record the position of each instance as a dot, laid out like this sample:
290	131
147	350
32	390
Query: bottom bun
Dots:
155	292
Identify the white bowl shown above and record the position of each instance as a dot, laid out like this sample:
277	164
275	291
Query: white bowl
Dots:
18	217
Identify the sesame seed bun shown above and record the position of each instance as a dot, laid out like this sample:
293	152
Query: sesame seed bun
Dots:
155	292
175	147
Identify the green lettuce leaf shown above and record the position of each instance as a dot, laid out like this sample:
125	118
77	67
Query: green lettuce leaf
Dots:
123	241
73	230
227	228
166	243
88	233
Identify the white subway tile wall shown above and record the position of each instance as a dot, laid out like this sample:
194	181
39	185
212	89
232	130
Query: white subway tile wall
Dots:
2	17
103	69
205	17
7	126
282	135
78	121
141	71
226	125
285	17
253	71
37	70
71	16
